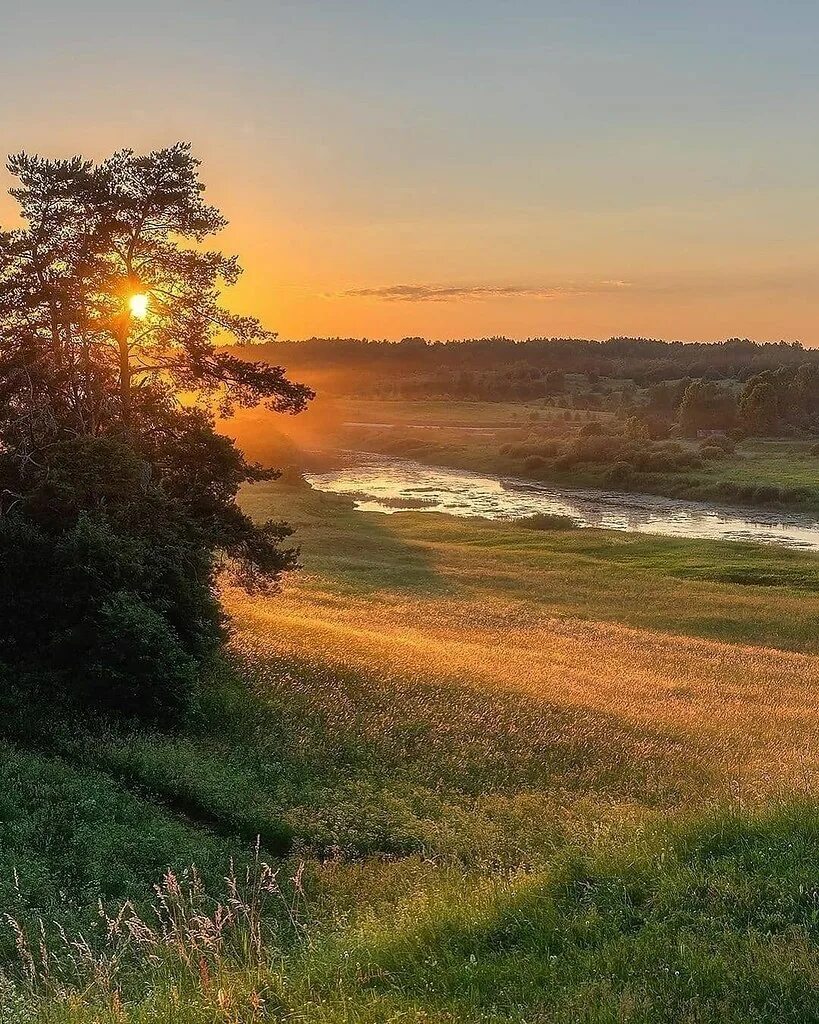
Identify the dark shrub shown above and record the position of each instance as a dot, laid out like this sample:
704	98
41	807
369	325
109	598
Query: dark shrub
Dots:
620	473
668	457
108	576
765	494
292	476
729	489
136	662
591	429
547	521
118	619
711	451
726	443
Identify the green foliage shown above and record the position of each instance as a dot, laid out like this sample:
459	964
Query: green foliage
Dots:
706	406
781	400
137	663
620	474
117	504
546	521
759	405
505	370
114	616
711	451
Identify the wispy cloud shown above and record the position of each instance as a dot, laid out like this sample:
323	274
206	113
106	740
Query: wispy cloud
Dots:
477	292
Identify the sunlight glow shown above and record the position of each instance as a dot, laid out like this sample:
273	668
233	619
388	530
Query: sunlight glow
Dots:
139	306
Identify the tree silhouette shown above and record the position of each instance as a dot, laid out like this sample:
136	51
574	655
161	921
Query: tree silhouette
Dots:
96	236
117	501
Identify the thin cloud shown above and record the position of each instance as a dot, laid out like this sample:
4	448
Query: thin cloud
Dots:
455	293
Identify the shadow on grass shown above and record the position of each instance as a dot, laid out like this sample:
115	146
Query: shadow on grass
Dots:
373	763
710	921
358	550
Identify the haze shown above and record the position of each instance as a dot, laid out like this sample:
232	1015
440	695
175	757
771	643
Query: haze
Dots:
459	169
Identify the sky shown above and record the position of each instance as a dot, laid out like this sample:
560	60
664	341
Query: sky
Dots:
461	169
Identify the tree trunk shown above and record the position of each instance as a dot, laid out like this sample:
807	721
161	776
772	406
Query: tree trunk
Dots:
124	376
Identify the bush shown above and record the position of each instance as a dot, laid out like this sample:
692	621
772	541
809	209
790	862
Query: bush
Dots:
293	476
765	494
668	457
711	451
591	429
620	473
547	521
725	443
136	661
108	581
116	619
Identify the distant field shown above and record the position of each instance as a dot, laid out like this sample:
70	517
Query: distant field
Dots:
477	435
446	413
781	463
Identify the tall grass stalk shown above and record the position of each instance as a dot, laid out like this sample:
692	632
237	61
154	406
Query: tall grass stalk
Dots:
186	941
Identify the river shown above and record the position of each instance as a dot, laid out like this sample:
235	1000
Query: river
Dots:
381	484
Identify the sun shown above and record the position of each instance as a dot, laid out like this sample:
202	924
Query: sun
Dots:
139	306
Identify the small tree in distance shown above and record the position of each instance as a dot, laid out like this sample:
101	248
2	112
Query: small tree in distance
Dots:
109	309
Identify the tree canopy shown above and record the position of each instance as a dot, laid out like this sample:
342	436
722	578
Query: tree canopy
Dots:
110	310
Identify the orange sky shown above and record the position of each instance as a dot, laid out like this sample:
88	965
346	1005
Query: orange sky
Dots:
463	169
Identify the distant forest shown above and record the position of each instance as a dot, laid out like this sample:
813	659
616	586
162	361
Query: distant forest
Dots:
763	387
500	368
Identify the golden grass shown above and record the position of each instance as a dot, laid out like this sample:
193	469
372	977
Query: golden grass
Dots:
751	711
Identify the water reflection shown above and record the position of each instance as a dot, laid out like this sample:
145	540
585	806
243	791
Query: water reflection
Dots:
386	485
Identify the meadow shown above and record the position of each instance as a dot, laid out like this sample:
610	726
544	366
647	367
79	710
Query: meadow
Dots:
519	439
501	774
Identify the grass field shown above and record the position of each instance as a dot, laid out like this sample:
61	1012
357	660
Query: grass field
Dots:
781	463
443	413
532	776
484	436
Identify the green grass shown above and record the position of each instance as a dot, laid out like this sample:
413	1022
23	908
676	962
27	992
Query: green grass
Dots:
720	589
534	776
713	921
779	463
699	923
790	467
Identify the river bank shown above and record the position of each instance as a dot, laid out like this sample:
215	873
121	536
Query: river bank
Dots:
382	484
760	474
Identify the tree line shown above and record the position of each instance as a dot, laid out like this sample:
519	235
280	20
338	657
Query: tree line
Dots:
643	360
759	387
731	384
